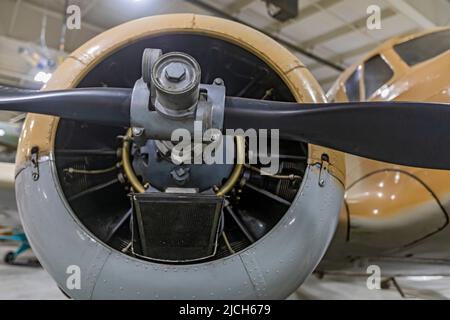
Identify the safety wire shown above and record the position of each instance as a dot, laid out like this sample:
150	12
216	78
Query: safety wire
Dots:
227	243
276	176
95	171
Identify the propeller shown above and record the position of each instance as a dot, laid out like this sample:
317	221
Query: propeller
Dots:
108	106
406	133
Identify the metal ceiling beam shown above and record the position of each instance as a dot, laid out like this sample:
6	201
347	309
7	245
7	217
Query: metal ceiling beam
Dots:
89	7
345	55
15	75
350	27
412	13
285	43
325	81
59	15
303	14
14	17
237	6
13	67
339	58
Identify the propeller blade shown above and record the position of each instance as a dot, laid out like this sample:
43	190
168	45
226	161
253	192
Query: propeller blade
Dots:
405	133
108	106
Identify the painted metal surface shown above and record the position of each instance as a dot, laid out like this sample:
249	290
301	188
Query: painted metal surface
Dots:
261	271
40	130
56	237
395	215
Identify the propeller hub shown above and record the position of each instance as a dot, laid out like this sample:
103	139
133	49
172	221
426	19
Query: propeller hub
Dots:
176	79
175	72
173	98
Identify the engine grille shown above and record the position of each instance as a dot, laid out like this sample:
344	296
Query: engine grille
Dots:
175	227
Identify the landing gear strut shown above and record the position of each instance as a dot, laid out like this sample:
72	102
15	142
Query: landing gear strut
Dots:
11	256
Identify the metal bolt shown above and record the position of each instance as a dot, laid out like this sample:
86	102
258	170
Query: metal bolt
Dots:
175	72
138	132
218	82
180	171
180	175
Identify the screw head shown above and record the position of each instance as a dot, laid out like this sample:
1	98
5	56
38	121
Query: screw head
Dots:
137	131
180	171
218	82
175	72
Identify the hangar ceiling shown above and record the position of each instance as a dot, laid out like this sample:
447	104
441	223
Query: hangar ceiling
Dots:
327	35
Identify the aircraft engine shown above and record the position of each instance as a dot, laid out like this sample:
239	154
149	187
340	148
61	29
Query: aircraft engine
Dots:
127	211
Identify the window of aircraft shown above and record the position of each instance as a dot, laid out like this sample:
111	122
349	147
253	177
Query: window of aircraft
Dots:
423	48
376	73
352	86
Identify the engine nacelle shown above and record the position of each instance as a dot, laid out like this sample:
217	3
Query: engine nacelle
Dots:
76	214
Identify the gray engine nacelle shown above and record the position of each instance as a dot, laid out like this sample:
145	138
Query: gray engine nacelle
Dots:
74	199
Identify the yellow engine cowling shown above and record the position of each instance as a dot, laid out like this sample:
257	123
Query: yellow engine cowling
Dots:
261	270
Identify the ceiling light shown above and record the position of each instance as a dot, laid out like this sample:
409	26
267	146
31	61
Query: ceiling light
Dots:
42	76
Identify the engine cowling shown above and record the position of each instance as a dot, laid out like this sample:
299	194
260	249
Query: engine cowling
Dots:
76	218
